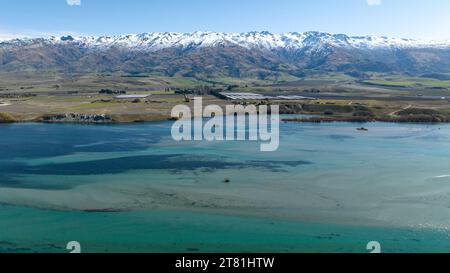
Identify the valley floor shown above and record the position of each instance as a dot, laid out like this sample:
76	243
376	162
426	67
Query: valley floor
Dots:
158	108
45	97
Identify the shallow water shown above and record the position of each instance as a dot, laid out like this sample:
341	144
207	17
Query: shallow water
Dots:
329	188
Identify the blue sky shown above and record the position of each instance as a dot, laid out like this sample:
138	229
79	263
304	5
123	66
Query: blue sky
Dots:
427	19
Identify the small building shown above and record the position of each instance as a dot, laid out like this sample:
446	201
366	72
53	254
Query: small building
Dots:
131	97
254	96
293	97
112	92
244	96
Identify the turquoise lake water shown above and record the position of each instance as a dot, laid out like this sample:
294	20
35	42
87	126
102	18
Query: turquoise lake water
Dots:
131	188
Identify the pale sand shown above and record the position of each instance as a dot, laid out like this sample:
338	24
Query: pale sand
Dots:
283	202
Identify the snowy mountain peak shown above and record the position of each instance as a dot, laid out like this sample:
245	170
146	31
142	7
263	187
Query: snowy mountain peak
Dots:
261	40
256	54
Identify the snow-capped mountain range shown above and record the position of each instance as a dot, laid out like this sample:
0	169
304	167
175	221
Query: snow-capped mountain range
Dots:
262	40
252	54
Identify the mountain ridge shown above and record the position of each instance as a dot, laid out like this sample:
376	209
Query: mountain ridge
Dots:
251	54
253	39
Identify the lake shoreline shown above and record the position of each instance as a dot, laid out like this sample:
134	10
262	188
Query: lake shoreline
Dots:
412	120
88	119
94	119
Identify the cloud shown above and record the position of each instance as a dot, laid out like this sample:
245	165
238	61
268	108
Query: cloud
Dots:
10	34
373	2
74	2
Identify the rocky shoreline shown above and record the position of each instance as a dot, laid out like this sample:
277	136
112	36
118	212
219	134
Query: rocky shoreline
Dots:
362	114
405	119
76	118
318	113
106	119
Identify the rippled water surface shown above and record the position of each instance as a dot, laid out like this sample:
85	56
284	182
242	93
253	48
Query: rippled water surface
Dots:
329	188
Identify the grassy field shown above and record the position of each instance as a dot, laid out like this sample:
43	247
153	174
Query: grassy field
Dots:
28	95
90	83
408	82
53	82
